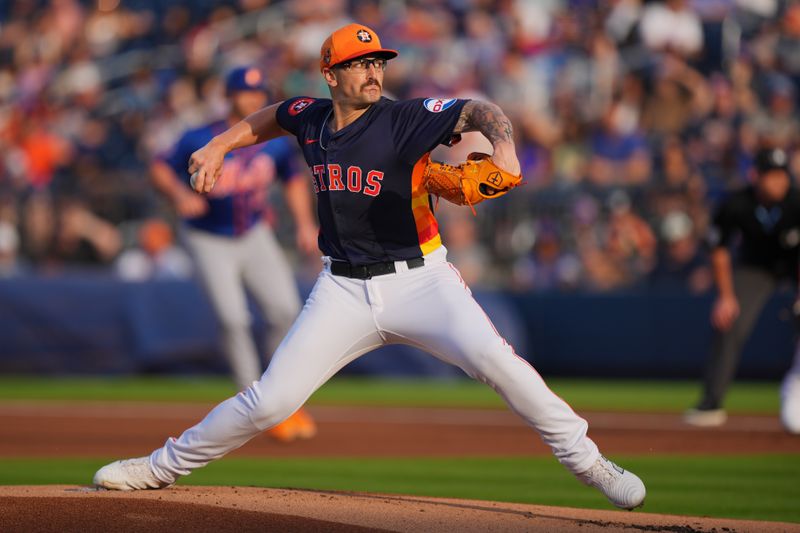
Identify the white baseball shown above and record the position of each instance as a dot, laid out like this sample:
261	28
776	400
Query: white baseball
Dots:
192	179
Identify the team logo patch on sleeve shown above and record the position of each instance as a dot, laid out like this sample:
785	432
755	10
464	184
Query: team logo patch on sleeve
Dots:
437	105
300	105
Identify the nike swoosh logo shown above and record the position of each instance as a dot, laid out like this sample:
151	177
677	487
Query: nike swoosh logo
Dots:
310	141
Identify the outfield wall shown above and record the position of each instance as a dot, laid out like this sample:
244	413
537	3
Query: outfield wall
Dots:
88	324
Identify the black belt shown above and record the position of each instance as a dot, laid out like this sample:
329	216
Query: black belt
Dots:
341	268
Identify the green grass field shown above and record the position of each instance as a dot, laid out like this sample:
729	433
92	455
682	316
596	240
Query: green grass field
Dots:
760	487
660	396
763	487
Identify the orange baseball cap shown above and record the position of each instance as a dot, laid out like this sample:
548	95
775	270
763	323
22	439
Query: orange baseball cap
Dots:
350	42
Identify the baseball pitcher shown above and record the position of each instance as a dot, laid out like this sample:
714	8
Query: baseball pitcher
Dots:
386	278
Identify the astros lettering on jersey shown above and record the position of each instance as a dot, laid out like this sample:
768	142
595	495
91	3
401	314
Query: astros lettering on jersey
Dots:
371	204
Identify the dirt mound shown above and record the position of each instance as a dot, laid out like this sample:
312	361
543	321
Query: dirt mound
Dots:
241	509
133	515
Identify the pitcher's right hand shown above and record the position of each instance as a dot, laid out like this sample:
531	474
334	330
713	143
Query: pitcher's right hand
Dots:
205	166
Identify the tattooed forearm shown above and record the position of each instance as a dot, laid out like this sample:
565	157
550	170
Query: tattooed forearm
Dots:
486	118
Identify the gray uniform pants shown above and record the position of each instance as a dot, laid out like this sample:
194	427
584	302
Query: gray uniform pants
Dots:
231	267
753	288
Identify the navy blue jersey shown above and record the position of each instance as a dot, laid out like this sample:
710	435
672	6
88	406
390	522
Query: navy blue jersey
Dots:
367	176
239	197
769	236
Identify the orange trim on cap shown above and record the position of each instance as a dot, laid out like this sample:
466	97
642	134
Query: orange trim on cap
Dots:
350	42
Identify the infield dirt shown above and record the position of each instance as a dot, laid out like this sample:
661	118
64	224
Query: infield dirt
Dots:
58	429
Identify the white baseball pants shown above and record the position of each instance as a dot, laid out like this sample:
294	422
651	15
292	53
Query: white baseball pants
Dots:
790	395
429	307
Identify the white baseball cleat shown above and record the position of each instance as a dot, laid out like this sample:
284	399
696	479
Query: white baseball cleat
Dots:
705	418
622	488
128	474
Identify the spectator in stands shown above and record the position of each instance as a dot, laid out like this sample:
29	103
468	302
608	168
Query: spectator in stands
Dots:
84	238
9	246
678	186
464	249
777	122
673	26
713	139
682	266
788	47
620	155
38	230
155	255
630	243
680	95
548	267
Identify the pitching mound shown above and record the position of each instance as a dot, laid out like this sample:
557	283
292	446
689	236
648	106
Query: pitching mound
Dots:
242	509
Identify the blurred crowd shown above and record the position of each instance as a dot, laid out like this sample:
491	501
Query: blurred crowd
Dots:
632	119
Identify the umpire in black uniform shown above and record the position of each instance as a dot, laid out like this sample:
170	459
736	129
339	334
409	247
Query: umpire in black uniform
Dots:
765	217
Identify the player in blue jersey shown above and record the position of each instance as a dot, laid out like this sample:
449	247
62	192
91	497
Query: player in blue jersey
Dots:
235	249
386	277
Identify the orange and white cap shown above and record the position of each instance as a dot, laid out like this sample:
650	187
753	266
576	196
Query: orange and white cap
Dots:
350	42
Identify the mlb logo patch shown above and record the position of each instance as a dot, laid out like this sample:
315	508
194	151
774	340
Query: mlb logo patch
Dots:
300	105
437	105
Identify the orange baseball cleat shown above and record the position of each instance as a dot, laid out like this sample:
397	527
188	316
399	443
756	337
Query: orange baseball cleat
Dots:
285	431
306	427
298	426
